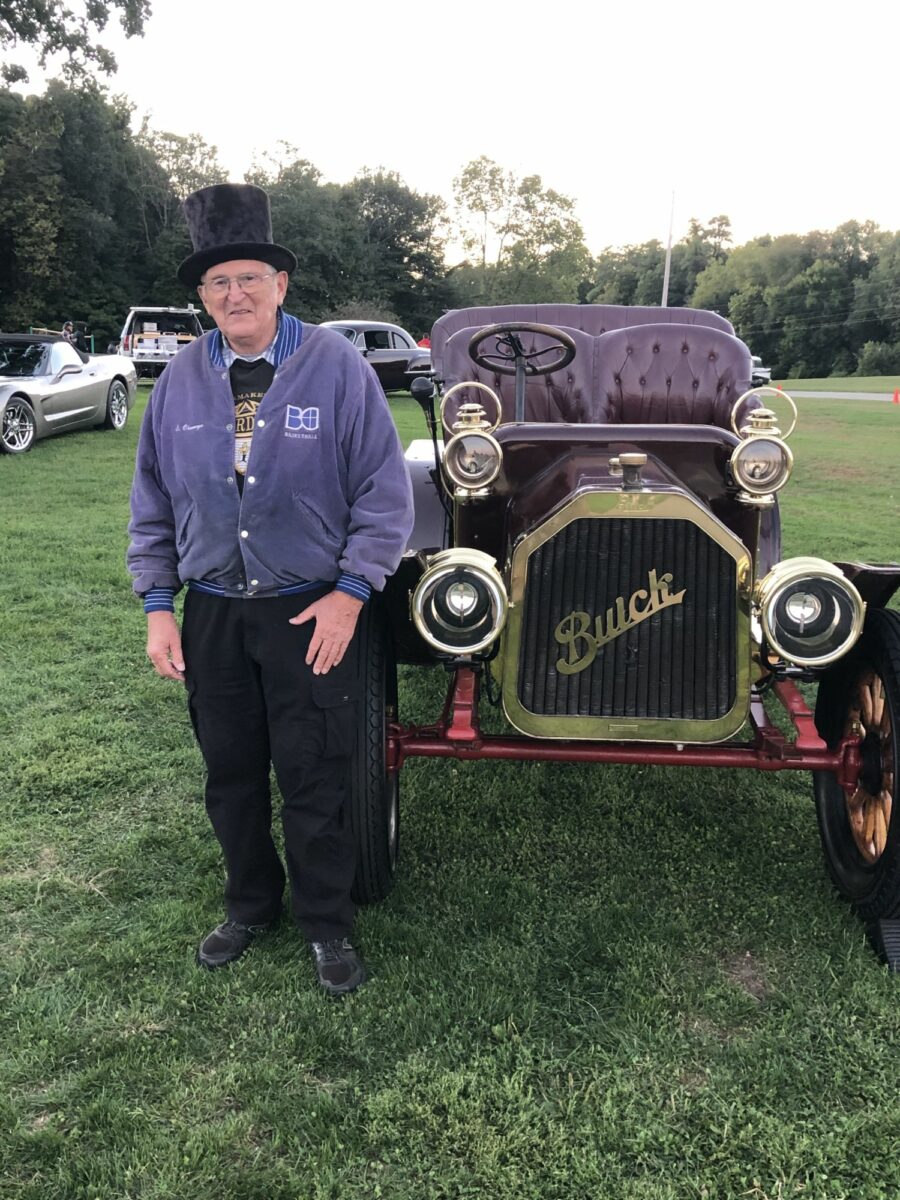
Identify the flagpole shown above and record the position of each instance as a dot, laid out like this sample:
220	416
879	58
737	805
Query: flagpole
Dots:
665	291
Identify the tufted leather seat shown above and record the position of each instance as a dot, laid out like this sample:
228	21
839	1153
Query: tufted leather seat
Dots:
570	394
594	319
664	374
647	372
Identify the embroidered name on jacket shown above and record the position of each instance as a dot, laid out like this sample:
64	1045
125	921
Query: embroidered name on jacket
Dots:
300	422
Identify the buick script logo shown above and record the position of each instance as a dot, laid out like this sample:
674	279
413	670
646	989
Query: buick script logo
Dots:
583	635
301	418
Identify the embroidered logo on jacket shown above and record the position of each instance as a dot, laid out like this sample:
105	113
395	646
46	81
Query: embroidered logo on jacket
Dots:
301	418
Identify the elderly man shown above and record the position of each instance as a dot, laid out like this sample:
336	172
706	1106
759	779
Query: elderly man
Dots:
271	483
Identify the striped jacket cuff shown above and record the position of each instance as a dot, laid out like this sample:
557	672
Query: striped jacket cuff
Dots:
159	599
354	585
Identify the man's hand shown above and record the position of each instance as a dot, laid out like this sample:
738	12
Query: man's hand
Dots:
335	616
164	645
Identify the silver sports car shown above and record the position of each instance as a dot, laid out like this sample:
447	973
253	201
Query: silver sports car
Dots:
47	387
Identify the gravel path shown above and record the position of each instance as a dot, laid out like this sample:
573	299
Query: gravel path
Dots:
801	392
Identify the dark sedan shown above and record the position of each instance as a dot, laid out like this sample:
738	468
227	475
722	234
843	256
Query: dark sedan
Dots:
392	351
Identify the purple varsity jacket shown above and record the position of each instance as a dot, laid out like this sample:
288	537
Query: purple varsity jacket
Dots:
326	492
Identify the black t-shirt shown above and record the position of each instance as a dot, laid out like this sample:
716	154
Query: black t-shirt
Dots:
249	383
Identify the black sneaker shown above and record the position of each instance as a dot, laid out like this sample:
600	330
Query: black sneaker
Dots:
227	942
339	968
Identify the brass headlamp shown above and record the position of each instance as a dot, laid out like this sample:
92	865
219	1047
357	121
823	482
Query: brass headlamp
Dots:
472	458
460	604
811	613
762	463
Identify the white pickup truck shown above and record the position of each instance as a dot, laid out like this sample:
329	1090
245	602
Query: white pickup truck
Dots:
151	337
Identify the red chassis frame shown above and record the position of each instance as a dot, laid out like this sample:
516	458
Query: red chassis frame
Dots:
458	735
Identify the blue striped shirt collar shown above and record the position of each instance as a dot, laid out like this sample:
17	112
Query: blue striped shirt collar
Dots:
287	340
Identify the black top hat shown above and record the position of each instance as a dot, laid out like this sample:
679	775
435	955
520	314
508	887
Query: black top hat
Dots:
229	221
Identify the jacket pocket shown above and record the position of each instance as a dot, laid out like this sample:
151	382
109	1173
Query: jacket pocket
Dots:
318	526
181	535
337	700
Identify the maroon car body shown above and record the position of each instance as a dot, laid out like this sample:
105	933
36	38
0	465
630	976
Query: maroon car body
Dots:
599	553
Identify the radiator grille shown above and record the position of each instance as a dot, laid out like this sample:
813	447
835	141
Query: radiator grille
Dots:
679	663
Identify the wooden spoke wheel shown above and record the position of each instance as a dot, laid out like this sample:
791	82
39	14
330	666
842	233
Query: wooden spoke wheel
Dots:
869	807
860	830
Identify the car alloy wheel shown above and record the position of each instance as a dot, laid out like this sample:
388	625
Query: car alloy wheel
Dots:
116	406
18	429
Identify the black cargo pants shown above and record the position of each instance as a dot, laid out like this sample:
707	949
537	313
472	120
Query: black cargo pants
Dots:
254	702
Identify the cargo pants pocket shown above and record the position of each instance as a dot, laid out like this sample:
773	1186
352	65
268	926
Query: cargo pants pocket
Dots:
338	702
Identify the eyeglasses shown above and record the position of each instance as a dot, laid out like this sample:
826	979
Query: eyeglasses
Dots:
248	282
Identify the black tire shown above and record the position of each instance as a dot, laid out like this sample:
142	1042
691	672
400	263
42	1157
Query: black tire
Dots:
116	406
861	833
374	795
17	426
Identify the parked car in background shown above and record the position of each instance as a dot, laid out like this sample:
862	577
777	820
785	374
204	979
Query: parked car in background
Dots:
760	376
151	337
47	386
392	351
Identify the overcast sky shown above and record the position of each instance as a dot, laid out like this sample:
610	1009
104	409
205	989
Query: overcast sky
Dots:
782	115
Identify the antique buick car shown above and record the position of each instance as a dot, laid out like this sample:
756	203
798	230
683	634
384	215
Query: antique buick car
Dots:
47	386
597	550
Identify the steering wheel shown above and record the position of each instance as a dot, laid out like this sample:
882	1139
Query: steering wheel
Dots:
510	349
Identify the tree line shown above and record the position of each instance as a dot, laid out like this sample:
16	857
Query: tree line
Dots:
91	225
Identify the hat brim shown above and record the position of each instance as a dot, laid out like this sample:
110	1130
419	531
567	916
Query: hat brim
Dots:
196	265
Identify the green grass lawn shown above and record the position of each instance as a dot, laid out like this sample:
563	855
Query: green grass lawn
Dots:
408	416
588	983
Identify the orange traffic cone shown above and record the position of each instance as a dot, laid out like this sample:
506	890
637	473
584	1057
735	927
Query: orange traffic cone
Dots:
896	399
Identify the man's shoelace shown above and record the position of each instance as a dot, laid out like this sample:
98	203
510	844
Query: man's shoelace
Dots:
331	952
